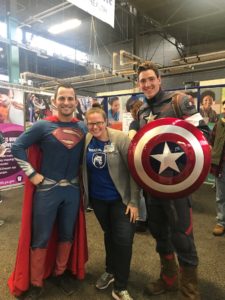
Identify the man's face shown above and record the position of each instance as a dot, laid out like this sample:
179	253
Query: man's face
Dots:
149	83
65	102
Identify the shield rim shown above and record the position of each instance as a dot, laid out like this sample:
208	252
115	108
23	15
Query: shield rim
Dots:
202	142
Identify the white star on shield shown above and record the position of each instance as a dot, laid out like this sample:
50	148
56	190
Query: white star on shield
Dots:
150	117
167	159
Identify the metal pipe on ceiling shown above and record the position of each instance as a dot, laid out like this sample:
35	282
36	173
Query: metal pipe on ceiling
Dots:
51	11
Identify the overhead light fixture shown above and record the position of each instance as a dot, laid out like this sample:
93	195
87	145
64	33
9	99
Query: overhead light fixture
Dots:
64	26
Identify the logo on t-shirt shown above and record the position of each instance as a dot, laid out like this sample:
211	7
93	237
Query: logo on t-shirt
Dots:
99	159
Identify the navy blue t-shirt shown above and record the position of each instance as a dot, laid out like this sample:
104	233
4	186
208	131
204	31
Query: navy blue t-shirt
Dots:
101	186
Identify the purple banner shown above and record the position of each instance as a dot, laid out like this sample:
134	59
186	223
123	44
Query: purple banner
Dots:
10	172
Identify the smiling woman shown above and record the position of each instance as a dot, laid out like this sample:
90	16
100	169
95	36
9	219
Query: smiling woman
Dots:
114	201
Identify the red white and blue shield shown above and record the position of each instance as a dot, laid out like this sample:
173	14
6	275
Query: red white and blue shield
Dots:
169	157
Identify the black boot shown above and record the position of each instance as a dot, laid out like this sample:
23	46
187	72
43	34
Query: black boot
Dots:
66	283
33	293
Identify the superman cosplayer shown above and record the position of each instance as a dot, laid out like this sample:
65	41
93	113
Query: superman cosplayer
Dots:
53	233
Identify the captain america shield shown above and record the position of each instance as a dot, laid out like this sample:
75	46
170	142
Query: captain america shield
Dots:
169	157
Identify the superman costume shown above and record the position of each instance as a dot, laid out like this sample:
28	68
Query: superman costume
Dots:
55	148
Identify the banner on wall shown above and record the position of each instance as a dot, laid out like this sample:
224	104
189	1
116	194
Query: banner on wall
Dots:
14	114
104	10
10	172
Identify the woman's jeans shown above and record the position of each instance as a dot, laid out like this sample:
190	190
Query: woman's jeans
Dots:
118	238
220	197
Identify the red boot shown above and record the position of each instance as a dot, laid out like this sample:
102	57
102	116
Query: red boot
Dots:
62	256
63	279
37	266
37	269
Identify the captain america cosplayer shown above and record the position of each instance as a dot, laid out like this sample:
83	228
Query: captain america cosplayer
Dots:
170	221
56	199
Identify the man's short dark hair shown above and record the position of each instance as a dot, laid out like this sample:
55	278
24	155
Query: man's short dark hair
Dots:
64	85
207	93
96	105
148	65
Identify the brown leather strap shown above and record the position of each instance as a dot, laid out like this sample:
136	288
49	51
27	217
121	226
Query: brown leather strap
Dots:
176	104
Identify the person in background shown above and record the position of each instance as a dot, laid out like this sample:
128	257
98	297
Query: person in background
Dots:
133	107
30	108
53	184
79	113
223	109
134	125
115	201
114	111
206	100
96	105
170	221
218	170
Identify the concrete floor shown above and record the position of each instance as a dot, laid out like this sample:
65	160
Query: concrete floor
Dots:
145	262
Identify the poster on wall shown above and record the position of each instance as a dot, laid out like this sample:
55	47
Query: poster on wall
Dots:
11	126
11	106
85	103
37	107
121	110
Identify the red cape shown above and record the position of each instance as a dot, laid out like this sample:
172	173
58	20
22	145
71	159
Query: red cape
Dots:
19	280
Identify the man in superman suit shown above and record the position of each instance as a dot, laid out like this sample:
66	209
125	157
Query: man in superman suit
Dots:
53	234
170	221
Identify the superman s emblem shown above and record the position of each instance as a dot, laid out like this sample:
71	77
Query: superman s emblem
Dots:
68	136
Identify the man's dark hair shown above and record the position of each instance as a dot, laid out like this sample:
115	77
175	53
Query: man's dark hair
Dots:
96	105
64	85
207	93
147	66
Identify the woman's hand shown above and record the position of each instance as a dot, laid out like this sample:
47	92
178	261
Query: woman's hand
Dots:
133	213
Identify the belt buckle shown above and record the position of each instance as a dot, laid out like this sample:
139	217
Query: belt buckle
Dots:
64	182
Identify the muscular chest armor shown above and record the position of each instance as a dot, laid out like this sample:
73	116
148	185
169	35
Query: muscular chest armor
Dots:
165	105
